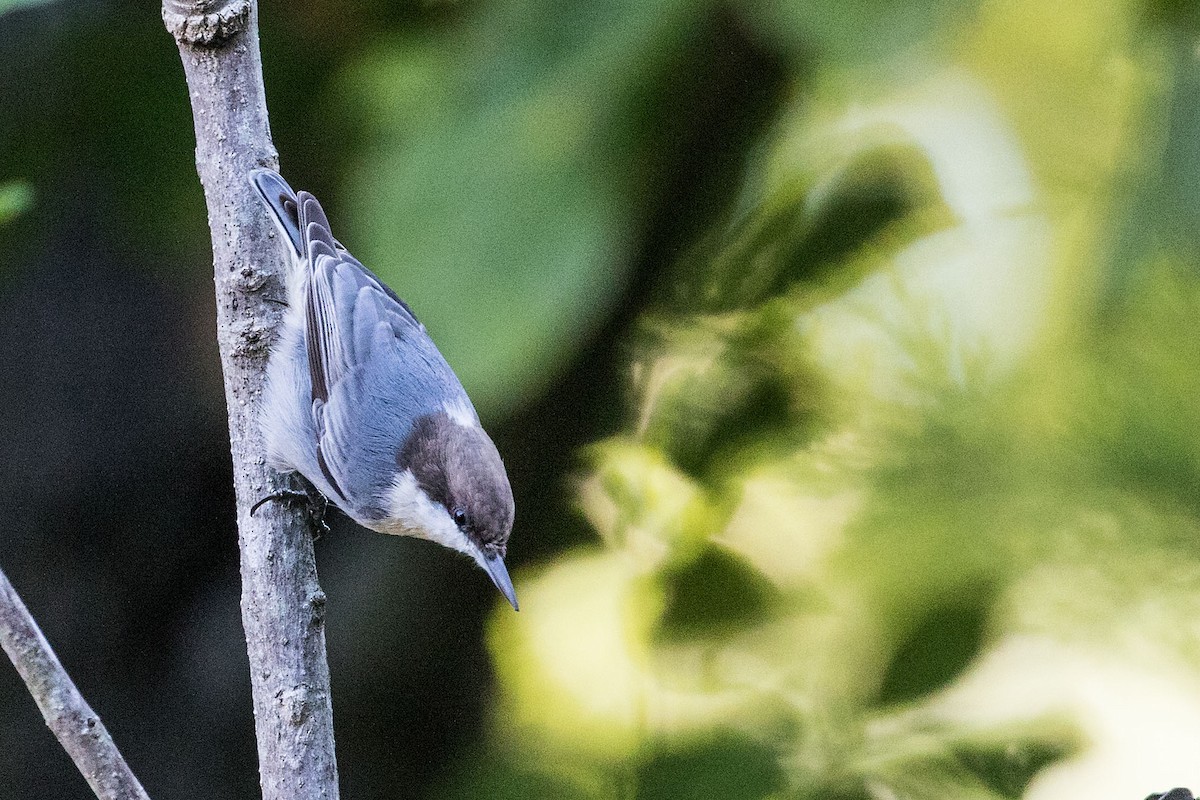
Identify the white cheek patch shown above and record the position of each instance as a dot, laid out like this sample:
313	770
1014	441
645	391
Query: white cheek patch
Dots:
461	413
412	513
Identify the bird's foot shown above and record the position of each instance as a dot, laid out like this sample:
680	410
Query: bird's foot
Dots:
315	503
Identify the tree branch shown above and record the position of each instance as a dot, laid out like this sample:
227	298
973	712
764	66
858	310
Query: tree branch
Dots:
283	608
78	729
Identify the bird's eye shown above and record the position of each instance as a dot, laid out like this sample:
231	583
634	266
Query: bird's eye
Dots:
460	517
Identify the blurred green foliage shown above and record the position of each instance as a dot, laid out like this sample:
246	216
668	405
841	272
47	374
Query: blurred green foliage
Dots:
906	503
513	152
15	197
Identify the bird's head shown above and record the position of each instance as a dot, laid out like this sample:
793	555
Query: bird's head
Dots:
451	488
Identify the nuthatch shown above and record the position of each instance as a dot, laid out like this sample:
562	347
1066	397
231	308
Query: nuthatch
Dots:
361	403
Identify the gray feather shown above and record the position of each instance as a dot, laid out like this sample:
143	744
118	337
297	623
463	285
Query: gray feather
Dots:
372	366
282	201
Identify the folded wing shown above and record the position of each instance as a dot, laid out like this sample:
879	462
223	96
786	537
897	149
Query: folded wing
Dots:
372	365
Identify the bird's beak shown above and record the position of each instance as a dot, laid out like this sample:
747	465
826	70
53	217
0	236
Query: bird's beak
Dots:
495	568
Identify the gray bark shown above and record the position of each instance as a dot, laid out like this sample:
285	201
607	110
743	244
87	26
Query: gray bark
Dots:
78	729
283	608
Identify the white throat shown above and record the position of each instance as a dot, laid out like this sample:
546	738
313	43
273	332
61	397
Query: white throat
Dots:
412	513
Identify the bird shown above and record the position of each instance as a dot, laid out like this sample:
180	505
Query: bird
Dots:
360	402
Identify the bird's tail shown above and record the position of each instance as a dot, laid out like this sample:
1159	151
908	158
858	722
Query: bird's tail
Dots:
280	198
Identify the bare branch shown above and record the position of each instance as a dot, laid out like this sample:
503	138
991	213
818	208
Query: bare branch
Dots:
78	729
283	608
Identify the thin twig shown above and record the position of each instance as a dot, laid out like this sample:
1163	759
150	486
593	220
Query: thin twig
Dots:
78	729
283	608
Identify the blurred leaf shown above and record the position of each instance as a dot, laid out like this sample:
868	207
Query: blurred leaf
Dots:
844	790
511	176
722	765
1182	15
1141	398
1007	769
15	197
724	389
639	501
712	596
858	187
939	648
917	758
507	781
860	30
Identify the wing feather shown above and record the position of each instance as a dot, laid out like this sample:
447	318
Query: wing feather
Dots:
323	334
373	369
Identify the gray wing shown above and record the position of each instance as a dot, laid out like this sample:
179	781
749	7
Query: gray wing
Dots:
373	367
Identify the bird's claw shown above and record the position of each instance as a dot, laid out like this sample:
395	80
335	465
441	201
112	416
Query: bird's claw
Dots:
315	503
